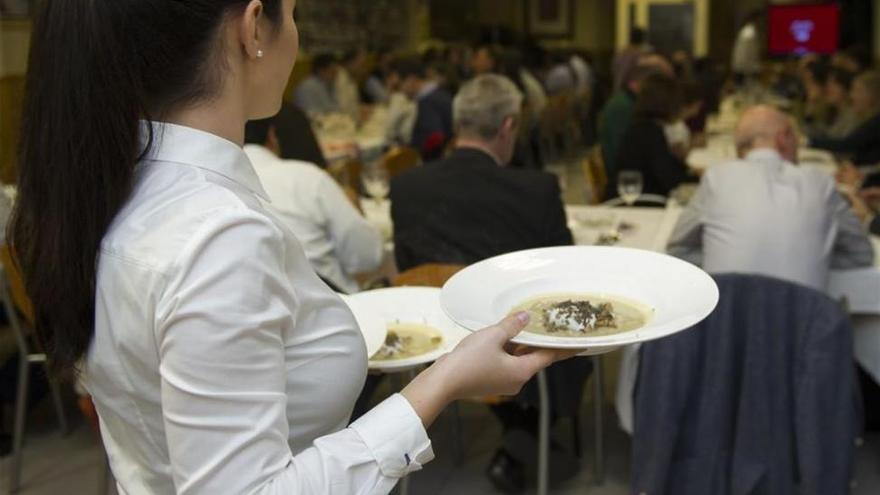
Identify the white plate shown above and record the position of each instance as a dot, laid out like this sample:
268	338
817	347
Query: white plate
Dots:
680	294
406	305
371	324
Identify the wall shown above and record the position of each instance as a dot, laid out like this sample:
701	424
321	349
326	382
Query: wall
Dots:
14	45
593	22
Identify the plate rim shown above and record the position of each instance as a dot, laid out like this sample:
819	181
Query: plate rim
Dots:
412	362
602	341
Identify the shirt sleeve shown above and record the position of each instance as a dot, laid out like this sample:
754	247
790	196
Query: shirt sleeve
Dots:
220	333
852	247
357	244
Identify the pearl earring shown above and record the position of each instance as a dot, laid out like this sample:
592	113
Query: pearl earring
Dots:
259	53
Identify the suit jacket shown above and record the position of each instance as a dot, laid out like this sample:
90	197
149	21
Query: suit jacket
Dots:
433	126
466	208
644	148
758	399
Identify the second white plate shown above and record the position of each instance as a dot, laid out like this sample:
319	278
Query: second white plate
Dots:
419	305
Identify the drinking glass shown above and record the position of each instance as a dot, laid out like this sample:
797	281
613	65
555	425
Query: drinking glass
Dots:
629	186
376	184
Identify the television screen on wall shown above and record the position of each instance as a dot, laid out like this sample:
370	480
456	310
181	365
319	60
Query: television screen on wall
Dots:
800	29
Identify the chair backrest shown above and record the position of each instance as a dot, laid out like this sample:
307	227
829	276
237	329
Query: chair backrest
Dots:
760	394
595	176
428	275
650	199
400	159
347	173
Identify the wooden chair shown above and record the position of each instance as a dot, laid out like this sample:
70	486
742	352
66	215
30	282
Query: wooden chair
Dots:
595	176
400	159
347	173
430	275
20	313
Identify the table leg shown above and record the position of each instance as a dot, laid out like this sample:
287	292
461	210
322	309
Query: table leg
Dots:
543	434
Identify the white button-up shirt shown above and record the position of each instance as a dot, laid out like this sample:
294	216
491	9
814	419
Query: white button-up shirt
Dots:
220	362
765	216
337	240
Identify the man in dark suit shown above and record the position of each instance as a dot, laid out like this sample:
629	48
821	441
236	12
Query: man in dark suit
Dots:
432	130
469	207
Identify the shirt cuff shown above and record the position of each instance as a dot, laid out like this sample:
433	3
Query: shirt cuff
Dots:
394	434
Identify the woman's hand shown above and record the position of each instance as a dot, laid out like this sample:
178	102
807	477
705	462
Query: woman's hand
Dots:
484	363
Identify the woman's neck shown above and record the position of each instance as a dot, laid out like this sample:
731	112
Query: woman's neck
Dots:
215	117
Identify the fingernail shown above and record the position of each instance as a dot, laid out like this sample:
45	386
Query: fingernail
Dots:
523	317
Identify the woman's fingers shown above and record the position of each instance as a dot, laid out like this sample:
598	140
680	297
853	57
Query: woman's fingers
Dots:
511	326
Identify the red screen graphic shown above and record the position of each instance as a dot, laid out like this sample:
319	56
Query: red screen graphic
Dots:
796	29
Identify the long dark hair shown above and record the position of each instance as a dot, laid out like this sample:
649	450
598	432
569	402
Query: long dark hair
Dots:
660	98
95	70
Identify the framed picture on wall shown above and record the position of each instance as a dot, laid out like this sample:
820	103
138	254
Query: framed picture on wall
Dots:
13	9
550	18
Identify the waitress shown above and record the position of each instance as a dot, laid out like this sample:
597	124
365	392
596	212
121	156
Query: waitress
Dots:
218	361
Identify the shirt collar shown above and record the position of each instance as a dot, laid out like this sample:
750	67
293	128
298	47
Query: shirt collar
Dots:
427	89
765	155
188	146
472	154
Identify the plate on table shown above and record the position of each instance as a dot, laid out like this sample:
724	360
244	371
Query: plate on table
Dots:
412	323
583	297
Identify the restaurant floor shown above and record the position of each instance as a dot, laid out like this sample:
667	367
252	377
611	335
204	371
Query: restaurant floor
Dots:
71	464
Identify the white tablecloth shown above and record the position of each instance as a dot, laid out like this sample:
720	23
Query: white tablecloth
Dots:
339	139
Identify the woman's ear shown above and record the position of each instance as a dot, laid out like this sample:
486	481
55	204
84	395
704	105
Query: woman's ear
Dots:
251	36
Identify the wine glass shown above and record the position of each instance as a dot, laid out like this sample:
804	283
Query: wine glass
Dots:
629	186
376	184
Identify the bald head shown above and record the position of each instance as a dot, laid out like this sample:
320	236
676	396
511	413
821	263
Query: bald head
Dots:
764	127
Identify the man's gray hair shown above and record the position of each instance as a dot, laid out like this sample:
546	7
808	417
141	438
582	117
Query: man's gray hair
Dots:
482	104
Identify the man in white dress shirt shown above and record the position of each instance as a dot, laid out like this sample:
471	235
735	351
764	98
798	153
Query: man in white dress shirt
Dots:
337	240
764	215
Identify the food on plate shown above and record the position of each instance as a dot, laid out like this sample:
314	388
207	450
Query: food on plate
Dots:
583	315
407	340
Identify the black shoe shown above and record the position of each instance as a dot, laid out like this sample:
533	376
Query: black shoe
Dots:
522	447
506	474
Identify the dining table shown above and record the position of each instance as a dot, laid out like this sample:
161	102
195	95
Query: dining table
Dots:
340	138
653	227
650	229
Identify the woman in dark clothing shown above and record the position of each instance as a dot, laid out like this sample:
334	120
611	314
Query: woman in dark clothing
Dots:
862	144
645	148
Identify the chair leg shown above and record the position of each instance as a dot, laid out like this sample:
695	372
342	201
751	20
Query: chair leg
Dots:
55	390
598	399
457	439
543	434
576	435
21	399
